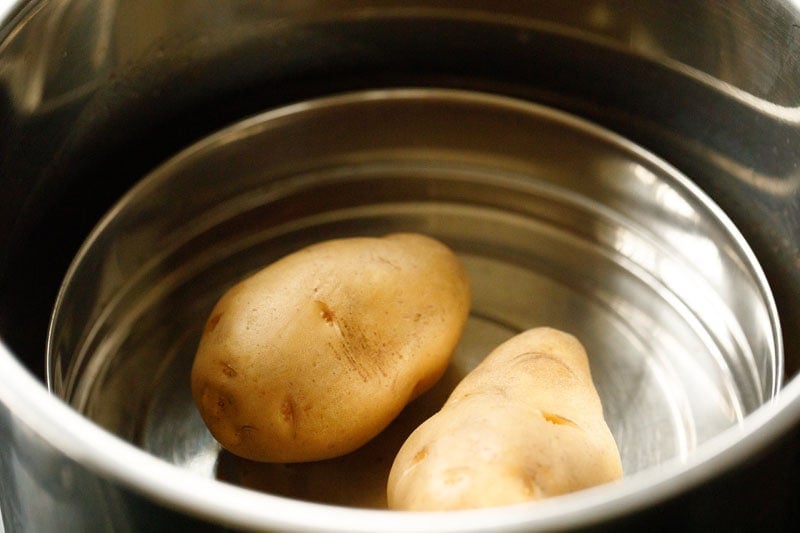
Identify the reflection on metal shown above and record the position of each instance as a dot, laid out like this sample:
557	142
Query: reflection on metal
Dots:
32	67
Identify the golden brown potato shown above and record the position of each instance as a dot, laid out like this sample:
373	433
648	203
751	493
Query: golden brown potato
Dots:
314	355
525	424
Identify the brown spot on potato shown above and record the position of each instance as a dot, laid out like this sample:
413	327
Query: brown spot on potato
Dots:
420	456
215	402
228	370
287	409
559	420
387	262
212	322
289	413
325	312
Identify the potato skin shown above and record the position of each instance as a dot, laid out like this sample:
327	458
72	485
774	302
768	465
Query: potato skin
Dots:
525	424
314	355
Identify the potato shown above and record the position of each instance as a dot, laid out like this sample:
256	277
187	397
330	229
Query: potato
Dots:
314	355
525	424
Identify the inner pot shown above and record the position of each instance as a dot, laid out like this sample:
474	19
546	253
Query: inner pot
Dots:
558	222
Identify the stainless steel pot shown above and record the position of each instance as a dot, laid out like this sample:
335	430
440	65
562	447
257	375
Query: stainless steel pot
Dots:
94	95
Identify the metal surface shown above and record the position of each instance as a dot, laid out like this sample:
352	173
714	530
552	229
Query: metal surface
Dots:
93	95
558	223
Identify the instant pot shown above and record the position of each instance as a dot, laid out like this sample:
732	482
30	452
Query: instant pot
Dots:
133	135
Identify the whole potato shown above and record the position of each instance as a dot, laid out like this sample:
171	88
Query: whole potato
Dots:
315	354
525	424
